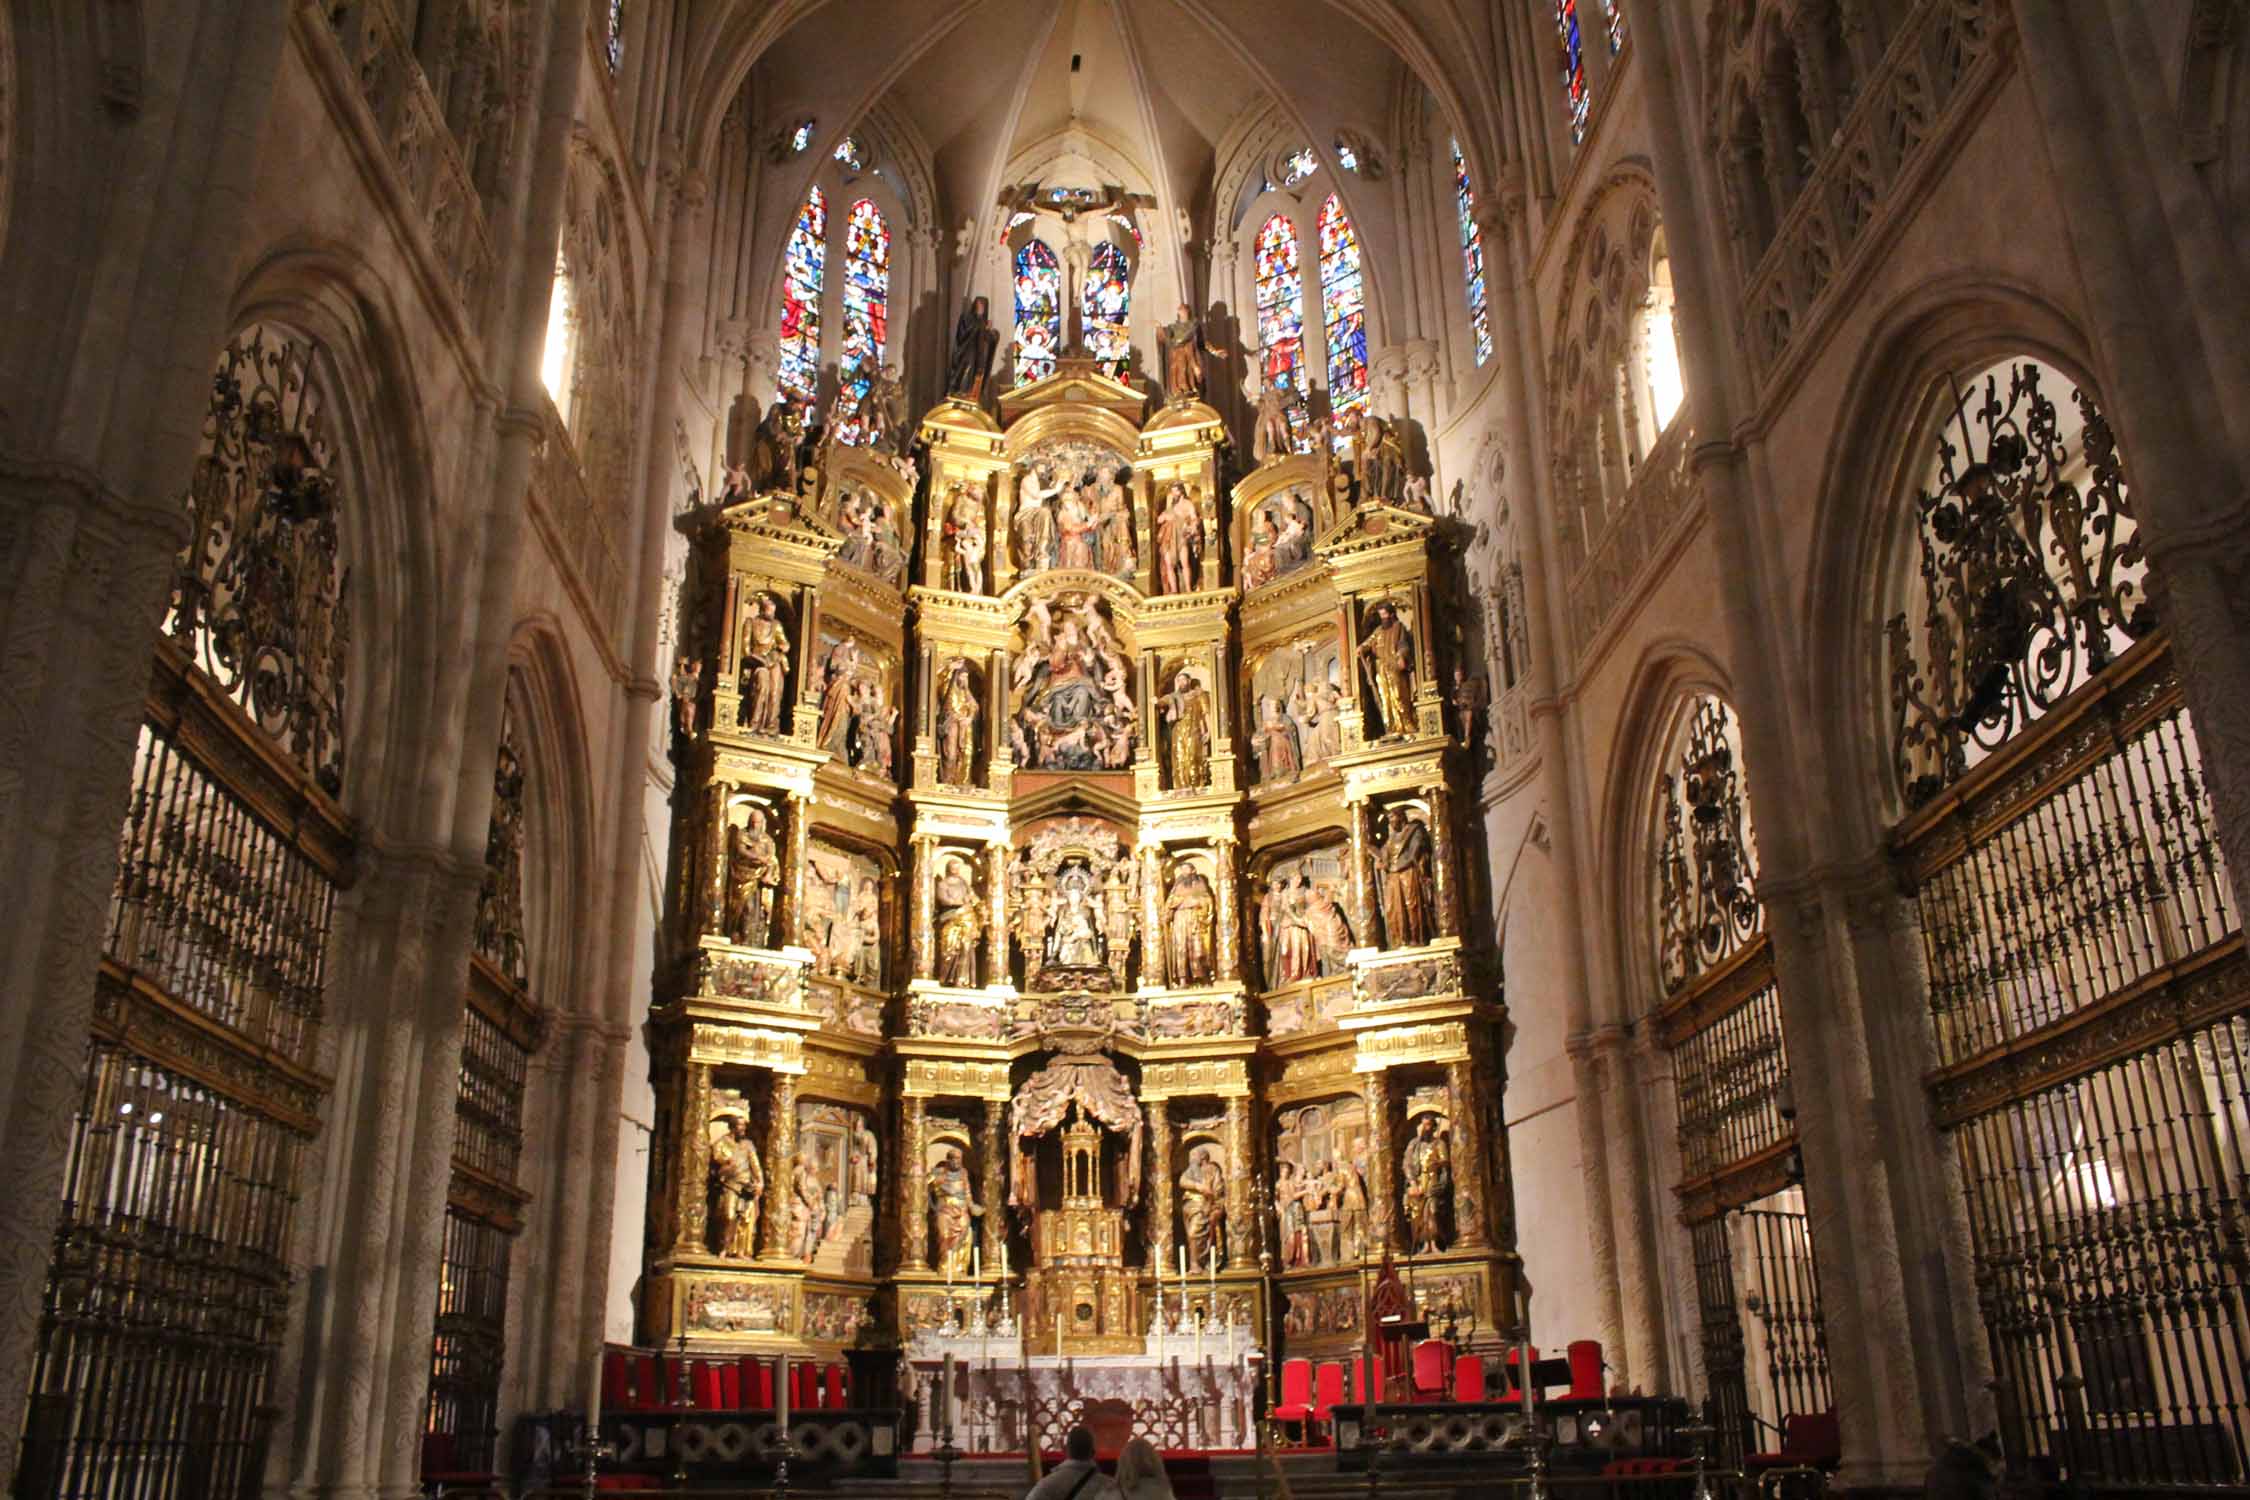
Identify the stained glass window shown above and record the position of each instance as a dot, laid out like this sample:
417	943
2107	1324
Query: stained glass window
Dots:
1472	255
1615	11
804	272
1343	307
849	154
613	45
867	295
1346	157
1127	224
1038	311
1300	165
1105	298
801	137
1577	98
1281	303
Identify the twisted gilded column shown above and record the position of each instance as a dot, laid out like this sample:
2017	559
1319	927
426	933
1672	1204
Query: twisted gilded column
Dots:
1471	1192
1152	913
1242	1241
793	873
691	1157
781	1164
1363	854
996	919
1444	850
925	908
1160	1184
994	1190
713	875
914	1184
1229	914
1382	1195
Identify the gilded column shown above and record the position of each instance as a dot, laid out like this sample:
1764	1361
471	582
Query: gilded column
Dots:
925	908
781	1165
1160	1250
692	1152
994	1189
914	1185
1443	852
1152	914
793	878
1363	855
715	863
1382	1198
1229	915
996	913
1471	1192
1242	1239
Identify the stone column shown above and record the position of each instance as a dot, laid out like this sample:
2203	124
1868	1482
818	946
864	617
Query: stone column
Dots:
1363	883
691	1157
1229	912
1159	1184
996	918
994	1188
925	907
781	1163
1593	1157
1382	1174
1637	1286
1470	1192
1242	1239
1444	853
914	1184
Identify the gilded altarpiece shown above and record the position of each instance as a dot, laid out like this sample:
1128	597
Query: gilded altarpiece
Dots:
1067	947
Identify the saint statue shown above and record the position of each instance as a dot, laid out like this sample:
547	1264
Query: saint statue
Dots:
1187	709
1351	1209
687	696
1190	912
1331	930
753	877
863	1163
1468	699
954	1211
1271	439
1179	542
957	726
964	541
975	341
1203	1205
1077	528
884	411
738	1184
773	451
1035	519
1289	1204
960	927
765	665
1429	1186
1323	722
1388	652
838	694
1406	881
1184	350
1113	523
873	725
808	1210
1384	477
1278	746
1076	938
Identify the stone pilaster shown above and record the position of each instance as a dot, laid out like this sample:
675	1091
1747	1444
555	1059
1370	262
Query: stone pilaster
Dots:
1628	1179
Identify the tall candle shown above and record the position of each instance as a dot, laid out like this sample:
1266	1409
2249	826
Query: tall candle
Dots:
1058	1333
781	1397
1003	1260
945	1400
976	1263
1183	1260
594	1392
1524	1380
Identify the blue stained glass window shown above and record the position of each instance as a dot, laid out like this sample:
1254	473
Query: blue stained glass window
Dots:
801	137
1616	14
1343	307
1472	255
1281	310
867	294
804	273
1038	311
1346	157
613	44
1105	300
1577	97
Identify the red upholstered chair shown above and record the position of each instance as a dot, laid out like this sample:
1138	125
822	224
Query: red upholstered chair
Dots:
1296	1392
730	1386
834	1391
1585	1370
1367	1379
757	1383
1515	1377
648	1388
1468	1377
1808	1439
804	1386
1328	1390
617	1381
1431	1357
703	1380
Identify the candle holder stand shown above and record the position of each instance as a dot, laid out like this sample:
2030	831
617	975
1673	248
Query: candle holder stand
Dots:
1699	1436
782	1450
591	1451
947	1456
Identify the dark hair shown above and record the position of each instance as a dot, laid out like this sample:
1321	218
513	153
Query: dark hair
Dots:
1079	1445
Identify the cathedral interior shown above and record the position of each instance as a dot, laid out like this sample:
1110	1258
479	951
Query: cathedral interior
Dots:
741	735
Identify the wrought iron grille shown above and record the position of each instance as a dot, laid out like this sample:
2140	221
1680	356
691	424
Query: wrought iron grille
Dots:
216	907
167	1295
1783	1299
1719	1316
1705	867
1732	1076
464	1410
499	931
494	1067
2107	1217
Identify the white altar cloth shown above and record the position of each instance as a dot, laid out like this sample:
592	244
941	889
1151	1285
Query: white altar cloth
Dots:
1000	1397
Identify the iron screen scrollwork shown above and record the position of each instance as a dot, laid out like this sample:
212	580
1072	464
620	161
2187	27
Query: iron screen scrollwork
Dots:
499	931
259	598
2031	577
1705	869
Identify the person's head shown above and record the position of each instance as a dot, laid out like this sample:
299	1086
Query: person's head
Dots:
1428	1126
980	306
1138	1462
1079	1445
1398	817
1182	314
